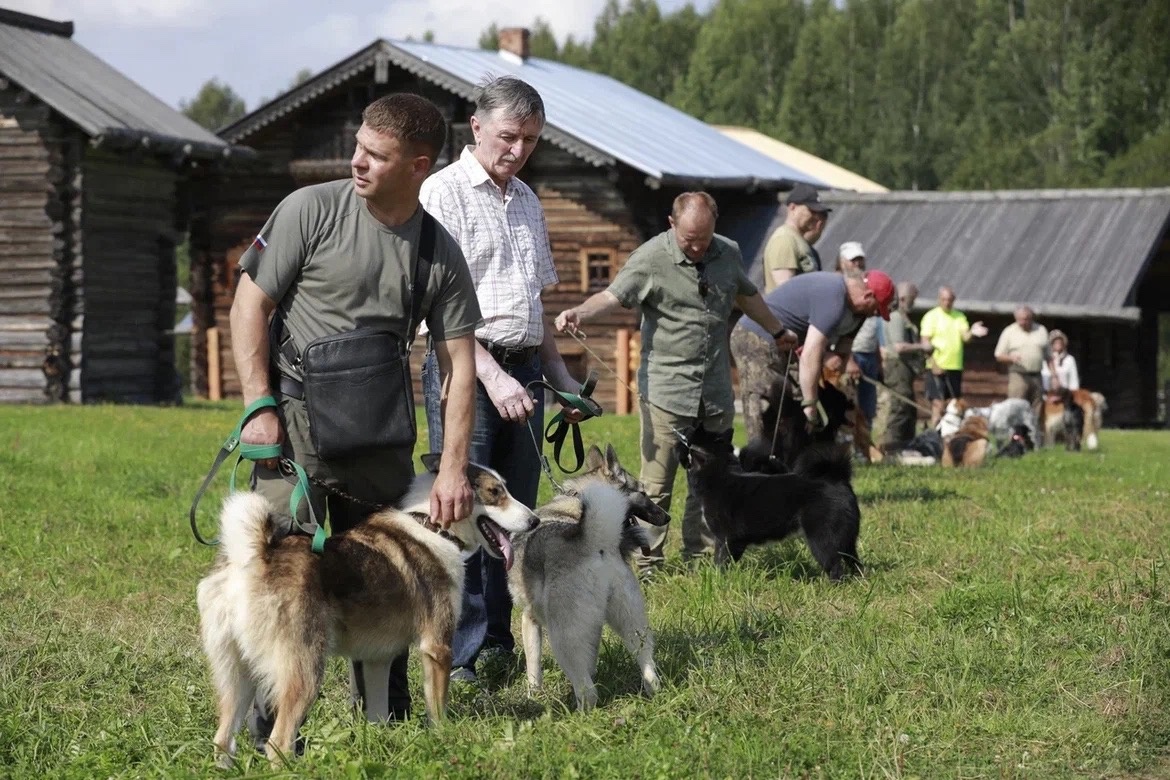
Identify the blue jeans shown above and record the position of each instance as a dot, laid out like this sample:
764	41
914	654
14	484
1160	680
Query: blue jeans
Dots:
871	366
486	620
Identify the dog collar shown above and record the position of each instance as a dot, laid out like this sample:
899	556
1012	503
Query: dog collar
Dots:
423	519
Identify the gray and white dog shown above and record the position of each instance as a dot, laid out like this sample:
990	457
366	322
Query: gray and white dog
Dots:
573	576
1004	416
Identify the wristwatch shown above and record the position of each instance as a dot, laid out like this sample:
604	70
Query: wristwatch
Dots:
779	334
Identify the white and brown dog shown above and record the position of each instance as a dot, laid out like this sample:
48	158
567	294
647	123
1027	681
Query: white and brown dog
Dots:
272	611
1074	418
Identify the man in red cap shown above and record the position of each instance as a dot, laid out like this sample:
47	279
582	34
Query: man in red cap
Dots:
825	309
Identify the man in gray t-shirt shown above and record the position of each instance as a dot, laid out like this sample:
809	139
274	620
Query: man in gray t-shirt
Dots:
823	308
331	258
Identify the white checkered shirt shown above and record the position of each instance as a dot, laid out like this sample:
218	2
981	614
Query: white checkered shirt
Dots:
505	240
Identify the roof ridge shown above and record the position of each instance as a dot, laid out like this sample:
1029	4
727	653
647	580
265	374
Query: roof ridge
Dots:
37	23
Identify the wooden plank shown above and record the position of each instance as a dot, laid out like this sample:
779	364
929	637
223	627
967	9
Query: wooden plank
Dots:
27	378
10	361
9	308
10	395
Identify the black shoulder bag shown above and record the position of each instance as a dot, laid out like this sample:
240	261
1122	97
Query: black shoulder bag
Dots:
357	384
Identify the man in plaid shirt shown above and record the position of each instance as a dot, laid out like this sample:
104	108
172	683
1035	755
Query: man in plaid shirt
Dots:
499	223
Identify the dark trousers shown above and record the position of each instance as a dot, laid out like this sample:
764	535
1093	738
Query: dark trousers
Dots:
871	366
486	617
902	420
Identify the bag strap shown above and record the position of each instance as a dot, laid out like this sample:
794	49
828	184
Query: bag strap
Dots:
424	258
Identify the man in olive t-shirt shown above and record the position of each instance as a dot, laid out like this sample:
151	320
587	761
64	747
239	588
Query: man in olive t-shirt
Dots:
789	251
331	258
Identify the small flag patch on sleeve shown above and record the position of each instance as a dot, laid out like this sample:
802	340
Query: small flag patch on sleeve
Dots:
260	243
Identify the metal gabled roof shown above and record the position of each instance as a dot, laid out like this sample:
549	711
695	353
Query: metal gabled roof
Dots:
41	57
1077	253
590	115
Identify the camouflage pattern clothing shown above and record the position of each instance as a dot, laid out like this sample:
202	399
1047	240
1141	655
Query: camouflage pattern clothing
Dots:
761	367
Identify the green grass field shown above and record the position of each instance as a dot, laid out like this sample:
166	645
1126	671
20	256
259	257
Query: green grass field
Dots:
1012	623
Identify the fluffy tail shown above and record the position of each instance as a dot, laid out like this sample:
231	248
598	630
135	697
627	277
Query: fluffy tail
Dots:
826	462
604	509
244	527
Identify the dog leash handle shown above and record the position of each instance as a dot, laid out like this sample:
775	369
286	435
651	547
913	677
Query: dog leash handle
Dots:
255	452
558	427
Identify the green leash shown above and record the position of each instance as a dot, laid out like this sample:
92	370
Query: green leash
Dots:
255	452
558	427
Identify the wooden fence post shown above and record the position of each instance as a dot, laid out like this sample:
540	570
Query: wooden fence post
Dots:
621	356
214	377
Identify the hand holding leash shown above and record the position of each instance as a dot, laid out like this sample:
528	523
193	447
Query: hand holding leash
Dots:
263	429
509	397
568	321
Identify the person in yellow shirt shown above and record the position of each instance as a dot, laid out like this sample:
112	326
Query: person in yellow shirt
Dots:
947	330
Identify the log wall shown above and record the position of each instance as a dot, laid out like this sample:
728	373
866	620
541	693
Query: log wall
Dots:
125	303
39	250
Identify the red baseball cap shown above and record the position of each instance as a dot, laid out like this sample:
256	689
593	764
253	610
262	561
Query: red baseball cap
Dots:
883	289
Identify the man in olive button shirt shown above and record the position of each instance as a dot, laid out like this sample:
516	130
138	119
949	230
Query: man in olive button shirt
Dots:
686	282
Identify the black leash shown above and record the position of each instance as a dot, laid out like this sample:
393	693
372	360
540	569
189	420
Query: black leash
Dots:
559	426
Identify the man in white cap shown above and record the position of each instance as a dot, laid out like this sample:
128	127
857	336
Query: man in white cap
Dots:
789	250
851	262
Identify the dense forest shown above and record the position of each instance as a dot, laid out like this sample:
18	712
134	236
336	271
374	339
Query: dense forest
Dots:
915	94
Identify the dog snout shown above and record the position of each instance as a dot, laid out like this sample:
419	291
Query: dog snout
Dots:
643	508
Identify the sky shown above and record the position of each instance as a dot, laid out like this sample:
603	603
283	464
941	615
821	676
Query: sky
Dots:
171	47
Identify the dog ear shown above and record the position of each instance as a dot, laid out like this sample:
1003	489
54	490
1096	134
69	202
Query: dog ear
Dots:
611	460
594	460
431	460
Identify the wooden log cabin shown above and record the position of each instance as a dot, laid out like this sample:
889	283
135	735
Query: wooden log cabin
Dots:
609	165
95	186
1093	263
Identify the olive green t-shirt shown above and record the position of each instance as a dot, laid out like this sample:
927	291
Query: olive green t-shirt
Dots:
787	250
685	360
332	267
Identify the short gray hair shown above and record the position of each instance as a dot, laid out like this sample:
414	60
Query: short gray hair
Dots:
513	98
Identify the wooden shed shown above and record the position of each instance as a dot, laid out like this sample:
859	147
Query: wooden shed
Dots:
1094	263
95	178
609	165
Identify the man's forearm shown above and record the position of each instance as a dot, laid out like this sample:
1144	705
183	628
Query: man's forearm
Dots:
552	365
597	305
456	358
250	347
757	310
810	373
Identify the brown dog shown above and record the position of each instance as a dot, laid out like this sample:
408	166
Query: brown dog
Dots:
272	611
1054	421
856	427
967	447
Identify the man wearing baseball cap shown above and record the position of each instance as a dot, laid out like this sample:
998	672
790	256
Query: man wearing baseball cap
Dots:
789	250
822	308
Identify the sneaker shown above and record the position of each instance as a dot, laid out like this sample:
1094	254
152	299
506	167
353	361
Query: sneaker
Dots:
498	665
464	674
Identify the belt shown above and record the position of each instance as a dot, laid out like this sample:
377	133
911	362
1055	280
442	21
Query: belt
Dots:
291	388
509	356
